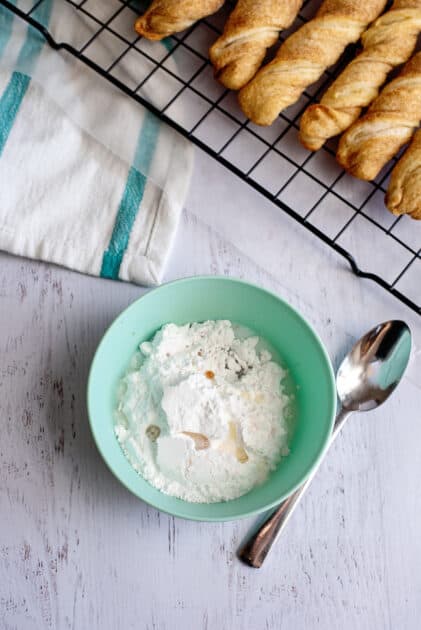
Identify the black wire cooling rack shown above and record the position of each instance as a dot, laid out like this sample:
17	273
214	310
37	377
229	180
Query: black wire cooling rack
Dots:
345	213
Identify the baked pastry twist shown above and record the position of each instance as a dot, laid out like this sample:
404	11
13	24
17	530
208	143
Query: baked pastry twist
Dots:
389	123
165	17
389	42
404	192
249	31
305	55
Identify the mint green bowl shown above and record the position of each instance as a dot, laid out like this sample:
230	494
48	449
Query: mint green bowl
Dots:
198	299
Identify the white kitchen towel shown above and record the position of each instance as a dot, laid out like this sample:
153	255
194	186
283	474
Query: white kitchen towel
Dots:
99	188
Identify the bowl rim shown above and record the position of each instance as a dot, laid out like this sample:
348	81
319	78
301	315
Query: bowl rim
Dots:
180	513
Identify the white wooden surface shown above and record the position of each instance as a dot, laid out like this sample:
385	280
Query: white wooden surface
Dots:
77	551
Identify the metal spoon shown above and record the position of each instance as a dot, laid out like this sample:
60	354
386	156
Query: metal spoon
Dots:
365	379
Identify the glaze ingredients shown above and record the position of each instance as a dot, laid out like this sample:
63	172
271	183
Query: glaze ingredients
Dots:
202	412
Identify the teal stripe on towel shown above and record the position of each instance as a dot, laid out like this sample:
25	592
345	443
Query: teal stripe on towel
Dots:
126	216
34	42
131	200
10	102
7	101
6	21
13	96
168	43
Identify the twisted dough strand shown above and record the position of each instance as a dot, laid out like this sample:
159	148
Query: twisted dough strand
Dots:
389	42
249	31
305	55
165	17
404	192
389	123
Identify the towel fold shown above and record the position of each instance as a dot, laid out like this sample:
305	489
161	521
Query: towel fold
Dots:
89	179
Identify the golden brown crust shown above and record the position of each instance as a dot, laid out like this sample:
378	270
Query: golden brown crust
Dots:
305	55
165	17
404	192
377	136
389	42
249	31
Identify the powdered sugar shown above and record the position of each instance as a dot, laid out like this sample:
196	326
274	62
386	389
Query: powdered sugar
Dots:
203	412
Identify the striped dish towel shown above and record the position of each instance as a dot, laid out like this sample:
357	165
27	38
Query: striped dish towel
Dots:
93	181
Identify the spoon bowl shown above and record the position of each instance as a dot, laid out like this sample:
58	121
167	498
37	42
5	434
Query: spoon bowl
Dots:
374	367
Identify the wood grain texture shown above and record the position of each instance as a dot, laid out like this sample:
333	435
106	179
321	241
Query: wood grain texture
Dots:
78	551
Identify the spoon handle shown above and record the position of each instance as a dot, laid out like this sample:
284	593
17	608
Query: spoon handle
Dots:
259	545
